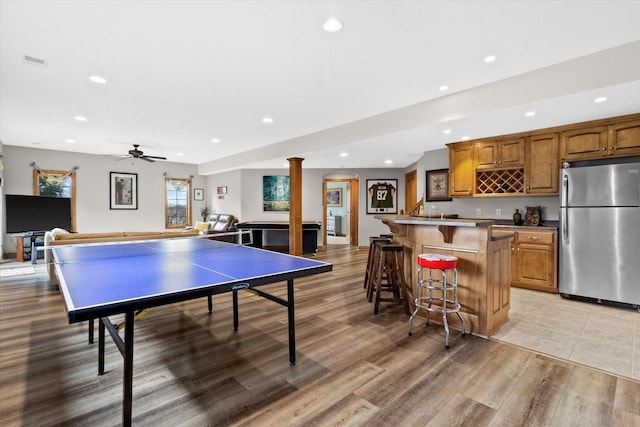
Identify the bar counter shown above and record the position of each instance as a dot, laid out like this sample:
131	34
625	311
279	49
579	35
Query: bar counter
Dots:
483	264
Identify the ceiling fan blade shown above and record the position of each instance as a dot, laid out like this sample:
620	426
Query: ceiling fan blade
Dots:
154	157
123	158
147	159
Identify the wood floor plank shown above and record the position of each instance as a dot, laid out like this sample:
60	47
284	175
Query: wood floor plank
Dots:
496	379
580	408
534	399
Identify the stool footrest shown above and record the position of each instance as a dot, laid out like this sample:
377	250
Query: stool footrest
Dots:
445	300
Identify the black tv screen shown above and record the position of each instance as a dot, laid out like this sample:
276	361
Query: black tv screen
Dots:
36	213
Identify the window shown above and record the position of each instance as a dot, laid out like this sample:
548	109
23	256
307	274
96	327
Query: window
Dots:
177	202
55	183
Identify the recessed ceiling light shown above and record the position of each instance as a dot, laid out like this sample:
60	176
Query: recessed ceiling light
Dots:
98	79
80	118
388	162
446	131
344	154
600	99
530	113
267	120
489	58
444	87
464	138
332	25
70	141
215	140
180	154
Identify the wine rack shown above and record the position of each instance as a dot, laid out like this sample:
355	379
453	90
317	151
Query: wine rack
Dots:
507	181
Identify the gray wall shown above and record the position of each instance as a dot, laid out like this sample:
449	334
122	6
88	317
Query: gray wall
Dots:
466	207
244	191
247	187
92	191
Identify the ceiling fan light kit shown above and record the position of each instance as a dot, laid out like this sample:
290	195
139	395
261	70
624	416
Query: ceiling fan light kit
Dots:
138	154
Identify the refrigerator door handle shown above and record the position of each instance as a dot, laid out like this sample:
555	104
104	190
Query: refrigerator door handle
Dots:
565	191
565	216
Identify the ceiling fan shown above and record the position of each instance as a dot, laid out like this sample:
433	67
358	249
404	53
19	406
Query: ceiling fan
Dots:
138	154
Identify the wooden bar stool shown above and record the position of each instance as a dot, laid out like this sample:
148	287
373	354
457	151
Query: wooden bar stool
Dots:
389	276
371	259
442	287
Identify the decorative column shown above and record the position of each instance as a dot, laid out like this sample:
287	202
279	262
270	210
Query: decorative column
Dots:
295	205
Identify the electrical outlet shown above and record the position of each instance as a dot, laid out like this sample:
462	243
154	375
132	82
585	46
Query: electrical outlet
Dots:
498	212
478	212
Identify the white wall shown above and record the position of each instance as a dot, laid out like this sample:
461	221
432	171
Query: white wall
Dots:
230	203
92	188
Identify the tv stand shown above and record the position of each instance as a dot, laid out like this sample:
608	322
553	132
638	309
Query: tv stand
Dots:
27	246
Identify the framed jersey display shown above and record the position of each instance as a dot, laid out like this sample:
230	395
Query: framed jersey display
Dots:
438	185
382	196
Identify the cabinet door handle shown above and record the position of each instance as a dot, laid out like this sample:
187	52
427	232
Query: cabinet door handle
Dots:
604	148
534	237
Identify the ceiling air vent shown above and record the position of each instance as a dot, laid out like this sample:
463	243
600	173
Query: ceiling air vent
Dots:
38	62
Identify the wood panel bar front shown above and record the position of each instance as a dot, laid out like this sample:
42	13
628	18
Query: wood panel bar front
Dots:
483	265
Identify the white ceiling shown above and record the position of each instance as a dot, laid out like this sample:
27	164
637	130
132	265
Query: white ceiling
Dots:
180	73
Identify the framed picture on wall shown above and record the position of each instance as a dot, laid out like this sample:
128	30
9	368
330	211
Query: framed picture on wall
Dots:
334	197
438	185
382	196
123	190
275	193
198	194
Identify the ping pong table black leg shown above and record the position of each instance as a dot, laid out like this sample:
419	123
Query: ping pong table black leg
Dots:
210	303
101	333
91	331
235	310
292	323
127	399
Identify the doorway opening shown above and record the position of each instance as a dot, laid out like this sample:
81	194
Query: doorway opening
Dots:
340	211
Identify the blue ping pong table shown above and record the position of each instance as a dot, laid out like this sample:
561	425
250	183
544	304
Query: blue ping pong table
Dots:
101	280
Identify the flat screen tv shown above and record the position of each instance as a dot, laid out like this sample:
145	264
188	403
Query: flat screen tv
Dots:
36	213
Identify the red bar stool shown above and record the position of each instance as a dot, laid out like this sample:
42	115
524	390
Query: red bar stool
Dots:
442	287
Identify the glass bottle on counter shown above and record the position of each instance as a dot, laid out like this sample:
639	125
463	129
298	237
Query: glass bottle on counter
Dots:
517	217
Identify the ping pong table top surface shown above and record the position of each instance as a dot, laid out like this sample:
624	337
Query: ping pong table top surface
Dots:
104	279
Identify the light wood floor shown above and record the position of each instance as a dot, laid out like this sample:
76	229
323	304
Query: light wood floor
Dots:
353	368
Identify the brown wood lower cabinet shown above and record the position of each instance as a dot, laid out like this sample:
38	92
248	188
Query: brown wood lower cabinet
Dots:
534	257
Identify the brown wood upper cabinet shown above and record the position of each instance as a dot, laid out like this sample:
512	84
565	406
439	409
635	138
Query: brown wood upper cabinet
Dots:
461	169
595	142
508	153
528	163
541	169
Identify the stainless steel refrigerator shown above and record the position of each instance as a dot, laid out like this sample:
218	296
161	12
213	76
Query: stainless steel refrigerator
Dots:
600	231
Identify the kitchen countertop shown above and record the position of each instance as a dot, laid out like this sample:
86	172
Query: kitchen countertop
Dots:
510	224
426	220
